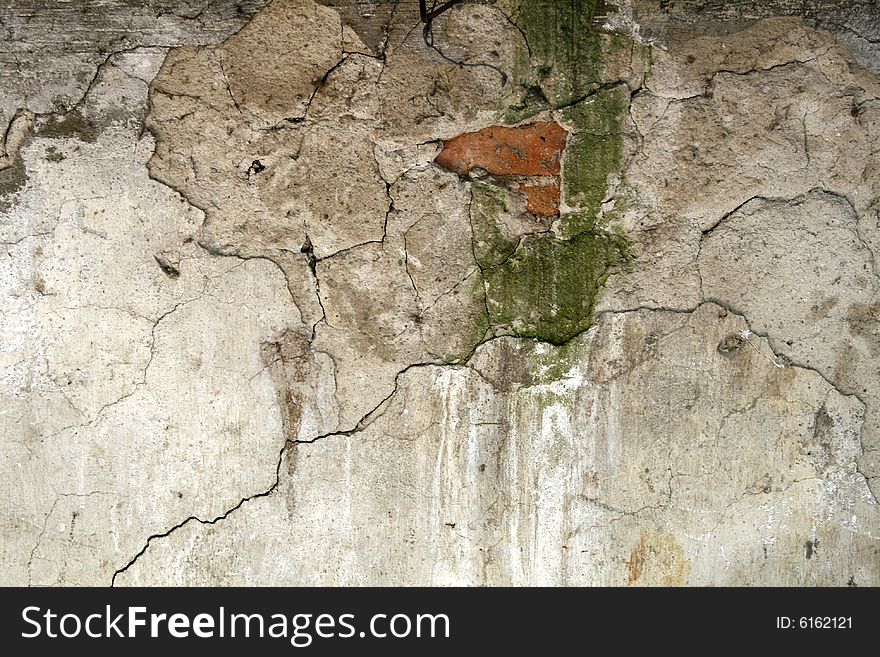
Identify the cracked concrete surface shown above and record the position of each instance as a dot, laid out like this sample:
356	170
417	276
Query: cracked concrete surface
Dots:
262	324
507	471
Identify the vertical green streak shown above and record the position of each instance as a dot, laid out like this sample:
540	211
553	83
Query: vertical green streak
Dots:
547	289
565	52
592	153
545	285
566	55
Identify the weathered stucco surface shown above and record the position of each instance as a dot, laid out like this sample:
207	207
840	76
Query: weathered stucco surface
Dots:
554	293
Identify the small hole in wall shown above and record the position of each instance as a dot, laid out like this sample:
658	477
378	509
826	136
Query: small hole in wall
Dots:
730	345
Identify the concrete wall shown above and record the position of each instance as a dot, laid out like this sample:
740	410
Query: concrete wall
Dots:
555	292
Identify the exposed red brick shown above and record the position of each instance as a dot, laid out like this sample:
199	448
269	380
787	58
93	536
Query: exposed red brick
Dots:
527	150
542	199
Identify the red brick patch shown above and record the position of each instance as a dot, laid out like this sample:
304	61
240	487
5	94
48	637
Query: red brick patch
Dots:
542	199
526	151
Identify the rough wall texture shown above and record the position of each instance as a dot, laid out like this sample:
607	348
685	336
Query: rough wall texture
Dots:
551	292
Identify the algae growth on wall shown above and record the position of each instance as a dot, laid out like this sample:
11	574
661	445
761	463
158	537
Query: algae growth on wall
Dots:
542	281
